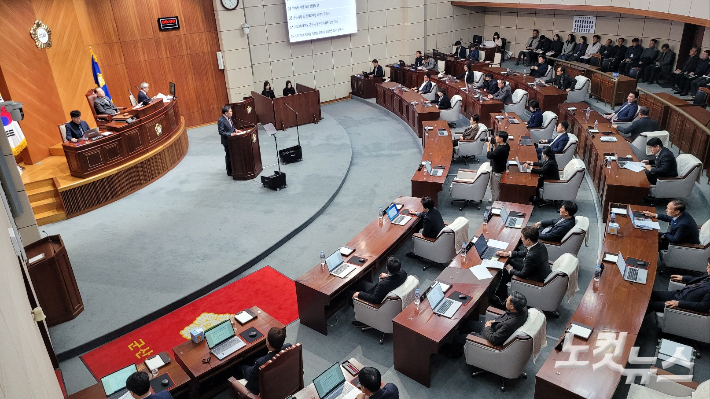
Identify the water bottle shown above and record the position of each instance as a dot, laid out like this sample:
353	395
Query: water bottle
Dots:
322	260
463	250
598	273
596	124
379	214
613	217
485	218
416	299
587	112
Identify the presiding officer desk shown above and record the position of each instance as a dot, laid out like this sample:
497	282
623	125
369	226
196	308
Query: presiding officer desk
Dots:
399	100
438	150
419	335
364	87
408	75
321	294
608	305
516	186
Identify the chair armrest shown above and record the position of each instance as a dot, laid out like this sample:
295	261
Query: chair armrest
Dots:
526	281
690	311
557	244
555	181
120	108
462	181
694	246
368	304
472	171
477	339
690	384
495	311
421	237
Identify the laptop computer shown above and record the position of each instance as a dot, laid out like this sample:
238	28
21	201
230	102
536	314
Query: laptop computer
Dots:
337	267
395	217
115	383
331	384
91	133
432	171
484	251
222	341
631	269
526	140
640	221
522	168
441	305
515	222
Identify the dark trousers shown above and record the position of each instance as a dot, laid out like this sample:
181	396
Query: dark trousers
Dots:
227	160
658	300
652	178
626	67
501	292
468	327
684	83
662	242
650	72
522	55
696	84
677	79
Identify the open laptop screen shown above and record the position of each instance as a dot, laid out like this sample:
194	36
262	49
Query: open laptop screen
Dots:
116	381
428	167
435	295
219	333
329	380
504	214
481	245
334	260
621	263
392	212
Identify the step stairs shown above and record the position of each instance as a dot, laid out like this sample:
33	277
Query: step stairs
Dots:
45	201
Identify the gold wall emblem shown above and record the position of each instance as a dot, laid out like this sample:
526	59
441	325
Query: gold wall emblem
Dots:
41	34
253	138
158	129
249	110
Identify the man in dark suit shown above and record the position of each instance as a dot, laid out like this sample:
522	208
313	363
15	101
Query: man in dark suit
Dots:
394	277
664	163
662	66
503	94
642	124
691	63
555	229
138	385
474	54
274	343
535	120
76	127
143	93
695	296
433	222
632	56
425	87
559	143
225	127
460	51
371	385
418	60
534	264
619	53
102	104
682	228
490	85
377	70
444	100
627	112
539	70
547	168
683	81
561	80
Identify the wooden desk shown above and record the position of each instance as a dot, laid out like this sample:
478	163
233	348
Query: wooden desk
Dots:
603	86
306	102
471	104
364	87
177	374
612	184
549	96
309	392
687	135
609	305
320	294
437	150
127	141
419	335
398	99
516	186
454	66
408	76
659	111
189	355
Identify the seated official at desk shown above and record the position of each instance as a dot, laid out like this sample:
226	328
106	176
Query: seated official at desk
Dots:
534	264
138	385
663	164
444	100
695	296
76	127
389	281
102	104
499	161
430	63
418	59
546	168
642	124
268	92
503	93
562	80
425	88
539	70
143	96
459	51
274	343
535	120
432	220
377	70
472	130
627	112
372	388
554	230
467	75
682	228
490	85
558	143
474	54
289	90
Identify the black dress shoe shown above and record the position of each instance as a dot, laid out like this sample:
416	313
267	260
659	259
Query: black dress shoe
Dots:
358	324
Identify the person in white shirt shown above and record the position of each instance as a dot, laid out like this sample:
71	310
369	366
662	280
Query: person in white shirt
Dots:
592	48
425	87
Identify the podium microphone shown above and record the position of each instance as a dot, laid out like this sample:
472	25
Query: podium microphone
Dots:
298	135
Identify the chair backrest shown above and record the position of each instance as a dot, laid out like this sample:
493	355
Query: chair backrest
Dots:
482	131
581	81
496	59
548	73
536	321
477	76
565	264
434	88
455	99
519	95
572	141
547	118
283	375
458	227
701	97
572	167
441	65
581	226
63	131
686	163
91	97
705	233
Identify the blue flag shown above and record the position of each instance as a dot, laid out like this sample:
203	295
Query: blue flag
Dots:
98	77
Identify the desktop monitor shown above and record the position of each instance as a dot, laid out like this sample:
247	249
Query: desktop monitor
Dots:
116	381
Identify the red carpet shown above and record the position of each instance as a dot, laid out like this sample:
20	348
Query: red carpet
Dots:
268	289
61	380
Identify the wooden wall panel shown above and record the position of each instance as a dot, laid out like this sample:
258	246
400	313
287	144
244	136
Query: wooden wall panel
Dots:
96	21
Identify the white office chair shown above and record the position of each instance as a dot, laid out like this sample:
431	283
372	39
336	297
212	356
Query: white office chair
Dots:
666	388
629	122
638	146
471	148
548	295
568	153
567	187
441	65
431	96
571	242
496	60
520	99
684	323
445	246
689	256
481	56
470	186
689	167
454	113
549	123
477	78
548	73
379	316
580	93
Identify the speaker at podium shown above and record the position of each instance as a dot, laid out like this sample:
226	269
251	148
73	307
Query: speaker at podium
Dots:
245	153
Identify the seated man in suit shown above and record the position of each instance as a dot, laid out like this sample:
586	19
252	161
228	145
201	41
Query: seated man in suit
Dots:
76	127
664	163
425	88
503	93
394	277
695	296
560	141
642	124
535	120
377	70
534	264
562	80
430	64
138	385
682	228
372	388
274	343
472	130
433	222
418	59
143	96
460	51
555	229
546	168
102	104
444	100
539	70
474	54
467	75
490	85
627	112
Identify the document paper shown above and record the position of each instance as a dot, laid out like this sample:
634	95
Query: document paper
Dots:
497	244
492	264
481	272
635	166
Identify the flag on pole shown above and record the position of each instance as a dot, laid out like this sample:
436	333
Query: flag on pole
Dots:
98	77
12	130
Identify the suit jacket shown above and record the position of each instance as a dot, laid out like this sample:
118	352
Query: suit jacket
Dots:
558	228
540	71
532	42
444	102
419	61
460	52
633	53
535	263
389	391
251	374
383	288
683	230
503	94
638	126
562	82
426	87
289	91
433	223
544	45
431	64
378	72
504	326
474	55
467	76
535	119
268	93
559	143
665	61
626	112
606	51
690	64
695	295
702	67
580	49
225	129
142	97
556	48
103	105
491	86
664	165
160	395
649	55
547	170
75	131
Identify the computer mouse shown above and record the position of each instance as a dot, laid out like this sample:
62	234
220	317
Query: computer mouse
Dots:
462	296
252	334
165	382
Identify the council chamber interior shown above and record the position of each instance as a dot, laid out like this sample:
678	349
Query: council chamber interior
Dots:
355	198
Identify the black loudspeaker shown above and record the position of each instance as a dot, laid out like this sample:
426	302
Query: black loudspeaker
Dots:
276	181
291	154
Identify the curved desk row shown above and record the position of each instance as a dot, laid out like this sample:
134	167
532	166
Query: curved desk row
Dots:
406	104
